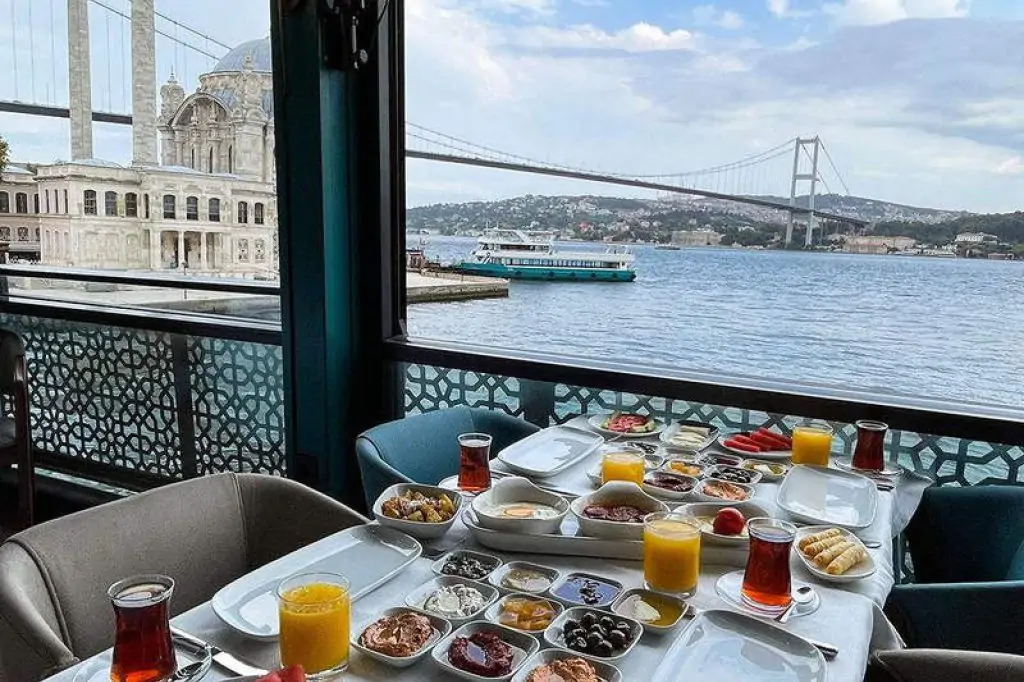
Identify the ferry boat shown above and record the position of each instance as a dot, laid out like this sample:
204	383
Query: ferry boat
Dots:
527	254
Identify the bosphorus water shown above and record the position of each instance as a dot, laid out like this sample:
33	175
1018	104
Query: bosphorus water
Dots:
949	329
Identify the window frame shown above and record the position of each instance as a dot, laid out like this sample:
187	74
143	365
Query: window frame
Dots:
21	203
170	207
192	208
242	213
5	201
213	210
131	205
89	202
258	213
110	203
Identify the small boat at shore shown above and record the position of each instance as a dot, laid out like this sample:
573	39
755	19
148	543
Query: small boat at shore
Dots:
532	255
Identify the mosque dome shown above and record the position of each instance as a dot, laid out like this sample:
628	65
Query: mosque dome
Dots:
259	50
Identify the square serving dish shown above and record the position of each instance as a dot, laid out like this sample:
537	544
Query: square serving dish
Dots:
606	672
488	561
553	635
498	575
569	577
493	612
442	628
829	496
549	451
648	626
418	596
523	647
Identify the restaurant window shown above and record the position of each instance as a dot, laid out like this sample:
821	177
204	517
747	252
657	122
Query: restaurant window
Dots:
257	213
170	207
131	205
243	212
89	201
21	202
214	210
110	203
192	208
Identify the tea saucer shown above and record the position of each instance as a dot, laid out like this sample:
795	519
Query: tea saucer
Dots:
97	669
846	464
729	588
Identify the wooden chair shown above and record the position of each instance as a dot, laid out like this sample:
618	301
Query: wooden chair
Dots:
15	436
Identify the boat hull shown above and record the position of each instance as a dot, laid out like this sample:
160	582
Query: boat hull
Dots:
547	274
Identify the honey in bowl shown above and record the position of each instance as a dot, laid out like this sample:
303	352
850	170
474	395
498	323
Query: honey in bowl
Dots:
526	614
650	607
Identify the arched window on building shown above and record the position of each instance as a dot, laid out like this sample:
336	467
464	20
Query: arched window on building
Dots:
5	202
170	207
67	208
192	208
257	213
145	204
231	160
214	210
243	212
131	205
110	203
209	168
21	203
35	202
47	201
89	197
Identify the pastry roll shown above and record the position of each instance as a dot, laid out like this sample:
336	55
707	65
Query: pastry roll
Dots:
846	560
822	545
818	537
825	558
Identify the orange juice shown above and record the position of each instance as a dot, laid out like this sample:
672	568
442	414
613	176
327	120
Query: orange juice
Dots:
812	444
623	466
314	618
671	553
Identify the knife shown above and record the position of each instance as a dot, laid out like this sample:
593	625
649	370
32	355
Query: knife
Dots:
222	658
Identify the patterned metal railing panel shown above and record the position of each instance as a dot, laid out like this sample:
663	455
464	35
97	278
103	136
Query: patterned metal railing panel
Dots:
114	396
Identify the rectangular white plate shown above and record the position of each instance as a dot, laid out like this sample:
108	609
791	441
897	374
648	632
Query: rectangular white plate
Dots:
724	645
675	427
367	555
549	451
829	496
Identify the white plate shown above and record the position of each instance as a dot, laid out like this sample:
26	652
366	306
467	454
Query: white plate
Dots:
829	496
367	555
485	559
553	634
606	672
516	489
675	427
672	496
523	646
615	493
702	496
730	588
498	575
749	464
418	529
493	613
755	476
596	420
770	455
549	451
722	645
750	510
418	596
859	571
442	628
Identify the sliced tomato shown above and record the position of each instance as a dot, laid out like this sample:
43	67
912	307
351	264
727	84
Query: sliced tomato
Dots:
736	445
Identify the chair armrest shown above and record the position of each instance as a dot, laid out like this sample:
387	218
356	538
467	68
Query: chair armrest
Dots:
974	616
930	665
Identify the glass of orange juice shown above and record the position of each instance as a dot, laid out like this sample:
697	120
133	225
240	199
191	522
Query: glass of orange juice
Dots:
623	465
313	609
812	443
671	553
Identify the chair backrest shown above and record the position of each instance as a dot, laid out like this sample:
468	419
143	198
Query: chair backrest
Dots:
939	665
12	350
424	448
204	533
972	534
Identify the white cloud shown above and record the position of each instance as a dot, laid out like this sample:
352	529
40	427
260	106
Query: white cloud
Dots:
641	37
871	12
1012	166
709	15
778	7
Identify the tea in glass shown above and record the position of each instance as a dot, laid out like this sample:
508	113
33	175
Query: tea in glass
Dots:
143	651
767	583
870	452
671	553
314	615
623	465
474	462
812	443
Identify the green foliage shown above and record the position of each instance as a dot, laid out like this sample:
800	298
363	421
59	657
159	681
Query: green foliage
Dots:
5	151
1008	227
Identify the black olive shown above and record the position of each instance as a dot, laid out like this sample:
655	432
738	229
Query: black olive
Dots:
624	626
603	648
626	633
579	644
594	638
607	623
575	633
570	625
618	639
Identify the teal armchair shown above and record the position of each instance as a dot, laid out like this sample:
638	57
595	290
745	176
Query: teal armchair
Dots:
967	546
424	448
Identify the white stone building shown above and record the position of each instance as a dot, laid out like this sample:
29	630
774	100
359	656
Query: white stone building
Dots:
210	207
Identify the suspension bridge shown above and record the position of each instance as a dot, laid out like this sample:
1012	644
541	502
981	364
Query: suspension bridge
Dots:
49	57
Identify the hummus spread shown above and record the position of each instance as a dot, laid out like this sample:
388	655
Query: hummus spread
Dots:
400	636
565	670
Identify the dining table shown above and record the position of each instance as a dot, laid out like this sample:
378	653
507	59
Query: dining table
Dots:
849	617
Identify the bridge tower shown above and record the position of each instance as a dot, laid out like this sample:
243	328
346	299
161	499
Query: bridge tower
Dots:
79	79
801	147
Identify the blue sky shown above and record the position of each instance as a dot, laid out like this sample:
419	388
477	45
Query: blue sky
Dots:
918	101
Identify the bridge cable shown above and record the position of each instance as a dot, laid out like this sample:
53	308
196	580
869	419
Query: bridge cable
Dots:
814	170
834	169
14	49
53	53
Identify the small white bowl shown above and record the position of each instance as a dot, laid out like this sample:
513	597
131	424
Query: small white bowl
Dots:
689	461
442	628
665	493
750	510
651	627
604	603
615	493
755	476
781	468
606	672
498	575
418	596
486	559
703	496
516	489
418	529
523	647
553	635
493	613
713	458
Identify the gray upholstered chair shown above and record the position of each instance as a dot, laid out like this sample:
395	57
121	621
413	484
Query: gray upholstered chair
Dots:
15	439
938	665
203	532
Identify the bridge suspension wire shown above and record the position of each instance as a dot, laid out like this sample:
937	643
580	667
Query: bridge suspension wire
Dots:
834	169
820	178
177	41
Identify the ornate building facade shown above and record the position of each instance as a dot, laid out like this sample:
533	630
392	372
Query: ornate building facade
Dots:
210	205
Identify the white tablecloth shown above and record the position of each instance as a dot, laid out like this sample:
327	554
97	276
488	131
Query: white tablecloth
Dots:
850	616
